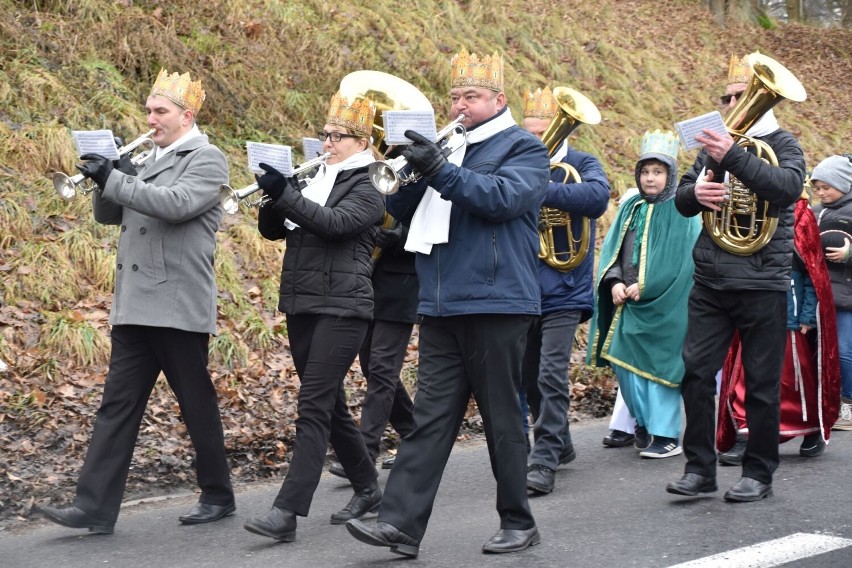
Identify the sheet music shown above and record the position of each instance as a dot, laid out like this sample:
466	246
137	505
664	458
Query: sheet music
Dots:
396	122
100	142
312	148
276	155
688	129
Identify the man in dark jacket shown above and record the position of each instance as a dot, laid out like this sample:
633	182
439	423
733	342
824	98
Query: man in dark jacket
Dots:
567	297
743	292
474	231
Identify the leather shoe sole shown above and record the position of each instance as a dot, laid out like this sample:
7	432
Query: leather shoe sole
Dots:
691	484
511	540
390	537
207	513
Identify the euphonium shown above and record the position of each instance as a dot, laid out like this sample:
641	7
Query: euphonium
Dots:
67	186
388	175
574	109
231	198
745	223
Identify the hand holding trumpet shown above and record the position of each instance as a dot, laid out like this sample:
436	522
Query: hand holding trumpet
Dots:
425	156
274	183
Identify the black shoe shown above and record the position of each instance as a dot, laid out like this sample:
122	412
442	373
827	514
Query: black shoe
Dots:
383	534
206	513
511	540
748	489
278	523
734	456
662	447
642	439
567	455
812	446
388	463
336	469
365	501
691	484
77	519
540	478
618	439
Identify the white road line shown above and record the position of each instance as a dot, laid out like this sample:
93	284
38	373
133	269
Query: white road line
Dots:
771	553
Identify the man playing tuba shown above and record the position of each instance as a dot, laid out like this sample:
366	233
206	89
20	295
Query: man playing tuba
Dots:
743	292
567	298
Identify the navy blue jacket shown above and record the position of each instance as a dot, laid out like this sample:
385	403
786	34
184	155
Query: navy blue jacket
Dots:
573	290
489	265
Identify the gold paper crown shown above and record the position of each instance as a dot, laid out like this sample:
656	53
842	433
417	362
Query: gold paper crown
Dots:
540	104
356	116
179	89
739	71
659	142
469	71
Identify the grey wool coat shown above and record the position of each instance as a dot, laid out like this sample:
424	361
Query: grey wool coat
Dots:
169	214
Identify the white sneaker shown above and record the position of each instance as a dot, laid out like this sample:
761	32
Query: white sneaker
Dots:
662	447
844	421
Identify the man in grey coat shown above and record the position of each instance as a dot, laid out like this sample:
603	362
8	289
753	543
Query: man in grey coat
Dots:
164	306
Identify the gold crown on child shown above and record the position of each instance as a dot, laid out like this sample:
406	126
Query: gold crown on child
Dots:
356	116
659	142
739	71
540	104
469	71
180	89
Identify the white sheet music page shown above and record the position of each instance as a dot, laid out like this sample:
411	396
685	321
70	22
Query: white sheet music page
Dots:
312	148
100	142
687	130
396	122
278	156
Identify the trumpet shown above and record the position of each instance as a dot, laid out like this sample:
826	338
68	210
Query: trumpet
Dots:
67	186
231	198
387	176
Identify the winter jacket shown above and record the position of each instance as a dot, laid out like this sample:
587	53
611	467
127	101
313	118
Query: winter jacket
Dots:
573	290
169	214
840	272
490	264
801	298
768	268
327	266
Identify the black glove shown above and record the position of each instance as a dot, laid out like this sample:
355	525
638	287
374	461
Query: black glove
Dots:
425	156
389	238
124	165
273	183
97	168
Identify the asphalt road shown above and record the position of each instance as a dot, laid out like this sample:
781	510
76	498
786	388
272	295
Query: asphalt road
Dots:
610	509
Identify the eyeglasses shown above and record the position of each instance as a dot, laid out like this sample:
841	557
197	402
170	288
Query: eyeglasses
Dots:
726	99
334	136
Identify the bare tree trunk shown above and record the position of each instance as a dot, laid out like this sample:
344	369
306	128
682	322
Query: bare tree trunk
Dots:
794	10
717	9
846	8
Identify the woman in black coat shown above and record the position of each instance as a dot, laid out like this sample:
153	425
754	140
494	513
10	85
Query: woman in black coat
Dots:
327	297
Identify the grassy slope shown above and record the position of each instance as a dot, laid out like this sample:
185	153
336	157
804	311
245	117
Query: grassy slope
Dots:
269	69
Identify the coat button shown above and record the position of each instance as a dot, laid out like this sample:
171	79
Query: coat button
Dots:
123	228
142	230
134	268
119	266
129	179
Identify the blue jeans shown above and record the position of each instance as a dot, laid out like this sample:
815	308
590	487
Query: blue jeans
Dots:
844	340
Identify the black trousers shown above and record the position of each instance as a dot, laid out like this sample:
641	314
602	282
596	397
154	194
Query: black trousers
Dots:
323	349
477	354
386	400
760	317
139	354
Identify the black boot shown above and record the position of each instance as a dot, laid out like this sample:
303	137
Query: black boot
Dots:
278	523
364	501
734	456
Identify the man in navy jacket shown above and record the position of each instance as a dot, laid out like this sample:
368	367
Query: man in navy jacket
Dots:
472	221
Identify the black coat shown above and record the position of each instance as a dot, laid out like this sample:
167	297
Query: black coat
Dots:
395	284
768	268
327	267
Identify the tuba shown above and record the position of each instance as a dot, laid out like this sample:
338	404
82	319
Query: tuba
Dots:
574	109
67	186
745	223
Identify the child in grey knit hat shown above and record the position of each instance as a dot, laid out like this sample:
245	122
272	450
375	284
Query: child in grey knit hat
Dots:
835	171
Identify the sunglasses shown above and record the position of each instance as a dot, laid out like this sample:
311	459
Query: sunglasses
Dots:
726	99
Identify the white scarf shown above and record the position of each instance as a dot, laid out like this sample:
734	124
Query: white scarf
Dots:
192	133
431	222
763	127
560	153
319	190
